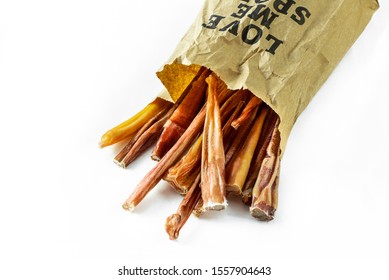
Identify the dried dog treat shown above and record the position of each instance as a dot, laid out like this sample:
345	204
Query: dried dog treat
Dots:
264	198
239	79
135	123
238	168
182	116
143	139
175	222
213	185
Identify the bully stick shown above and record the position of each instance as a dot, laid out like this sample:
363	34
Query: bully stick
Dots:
213	186
146	140
238	168
248	110
198	209
228	130
175	222
227	139
156	173
223	92
181	175
192	202
182	116
262	206
260	153
171	157
266	204
132	125
240	136
142	139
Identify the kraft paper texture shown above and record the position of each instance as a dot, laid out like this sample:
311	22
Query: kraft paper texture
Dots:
282	51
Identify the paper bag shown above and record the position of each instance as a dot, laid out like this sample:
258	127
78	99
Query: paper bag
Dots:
281	50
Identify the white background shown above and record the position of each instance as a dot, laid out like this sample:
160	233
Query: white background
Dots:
70	70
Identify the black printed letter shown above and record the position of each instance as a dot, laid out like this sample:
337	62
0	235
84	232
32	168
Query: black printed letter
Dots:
214	20
232	27
243	10
301	15
275	45
254	39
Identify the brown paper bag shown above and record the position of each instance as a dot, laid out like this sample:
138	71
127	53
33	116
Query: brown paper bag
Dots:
281	50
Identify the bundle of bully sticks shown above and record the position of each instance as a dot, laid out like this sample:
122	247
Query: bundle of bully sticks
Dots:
213	142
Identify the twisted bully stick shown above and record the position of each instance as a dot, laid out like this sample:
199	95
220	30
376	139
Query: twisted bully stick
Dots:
260	153
175	222
198	209
266	204
262	206
213	186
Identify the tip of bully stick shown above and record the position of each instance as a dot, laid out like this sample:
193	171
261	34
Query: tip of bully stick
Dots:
119	163
215	206
246	197
171	226
234	189
155	157
128	206
263	212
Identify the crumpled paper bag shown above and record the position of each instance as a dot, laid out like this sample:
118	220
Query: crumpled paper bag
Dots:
281	50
